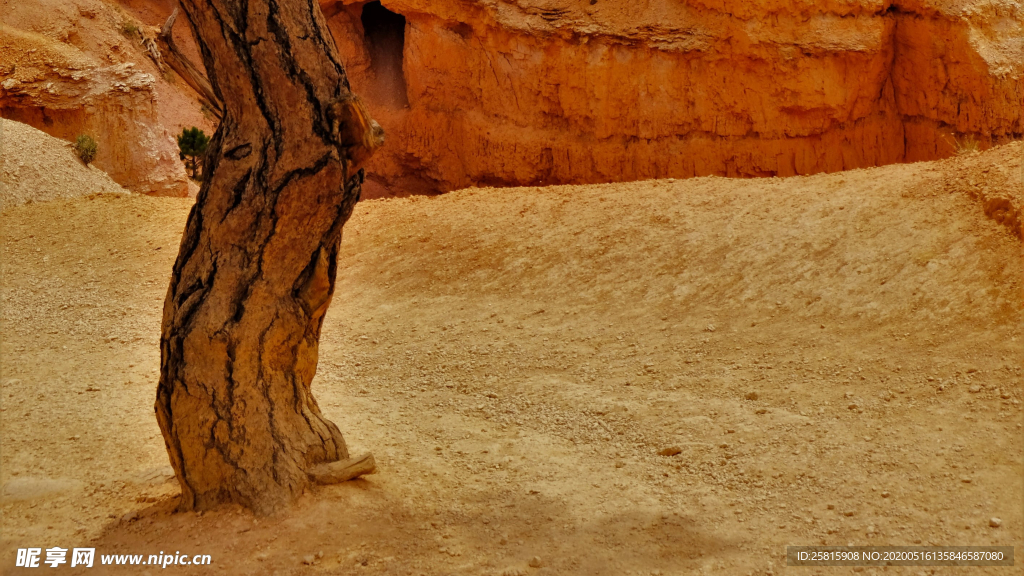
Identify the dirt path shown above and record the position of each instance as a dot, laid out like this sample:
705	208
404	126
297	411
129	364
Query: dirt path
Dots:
837	358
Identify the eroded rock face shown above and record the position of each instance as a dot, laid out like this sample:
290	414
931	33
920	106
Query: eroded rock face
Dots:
52	78
507	92
510	92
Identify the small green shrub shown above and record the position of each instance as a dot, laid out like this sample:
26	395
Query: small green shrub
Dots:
192	145
129	29
86	148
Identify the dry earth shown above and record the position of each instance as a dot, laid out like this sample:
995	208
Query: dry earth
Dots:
837	358
36	167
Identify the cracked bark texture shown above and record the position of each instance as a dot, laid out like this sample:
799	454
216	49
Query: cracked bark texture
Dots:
256	268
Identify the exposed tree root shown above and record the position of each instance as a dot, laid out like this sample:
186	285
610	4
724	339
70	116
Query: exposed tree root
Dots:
343	470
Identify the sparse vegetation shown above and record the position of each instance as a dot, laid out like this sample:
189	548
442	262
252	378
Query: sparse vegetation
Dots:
86	148
192	145
965	145
129	29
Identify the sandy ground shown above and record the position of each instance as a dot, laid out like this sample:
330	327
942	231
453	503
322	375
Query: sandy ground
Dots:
837	359
35	167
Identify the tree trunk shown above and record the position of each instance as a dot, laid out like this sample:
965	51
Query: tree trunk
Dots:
256	268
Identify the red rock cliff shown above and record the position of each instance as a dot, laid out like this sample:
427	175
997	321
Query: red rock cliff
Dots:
525	91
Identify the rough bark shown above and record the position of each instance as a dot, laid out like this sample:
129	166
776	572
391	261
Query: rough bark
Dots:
256	268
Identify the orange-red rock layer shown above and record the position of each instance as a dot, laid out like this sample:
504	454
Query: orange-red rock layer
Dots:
519	92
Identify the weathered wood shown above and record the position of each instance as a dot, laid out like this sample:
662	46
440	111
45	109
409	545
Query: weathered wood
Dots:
359	134
170	54
343	470
256	269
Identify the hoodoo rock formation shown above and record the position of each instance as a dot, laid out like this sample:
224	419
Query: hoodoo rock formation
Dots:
509	92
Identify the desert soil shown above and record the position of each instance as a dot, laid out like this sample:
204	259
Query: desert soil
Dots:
35	167
836	358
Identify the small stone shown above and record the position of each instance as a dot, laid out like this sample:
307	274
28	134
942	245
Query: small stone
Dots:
308	559
831	506
885	494
974	389
848	513
536	562
130	517
965	479
320	554
995	522
751	396
670	451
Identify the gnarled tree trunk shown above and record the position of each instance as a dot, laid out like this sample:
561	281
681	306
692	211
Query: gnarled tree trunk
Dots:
257	263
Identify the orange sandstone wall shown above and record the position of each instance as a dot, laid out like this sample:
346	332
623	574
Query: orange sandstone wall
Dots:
507	92
961	77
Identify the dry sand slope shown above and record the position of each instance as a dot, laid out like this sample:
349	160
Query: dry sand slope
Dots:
35	167
837	358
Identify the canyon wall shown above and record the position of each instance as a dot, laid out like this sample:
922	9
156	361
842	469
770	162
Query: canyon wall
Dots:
522	92
77	67
509	92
